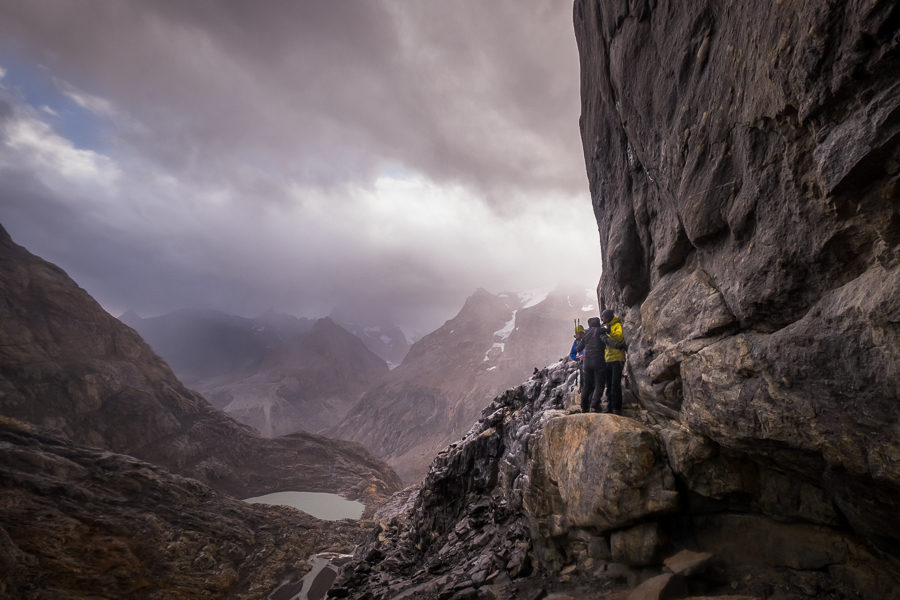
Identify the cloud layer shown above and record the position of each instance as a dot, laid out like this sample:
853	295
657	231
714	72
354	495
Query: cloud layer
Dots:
386	157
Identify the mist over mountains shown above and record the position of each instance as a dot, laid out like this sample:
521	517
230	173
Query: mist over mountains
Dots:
202	344
76	372
277	373
281	374
384	338
307	384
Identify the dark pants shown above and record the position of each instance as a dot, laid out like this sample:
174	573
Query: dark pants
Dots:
592	390
614	385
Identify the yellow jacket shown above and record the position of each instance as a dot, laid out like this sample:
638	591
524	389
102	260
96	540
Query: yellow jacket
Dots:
615	334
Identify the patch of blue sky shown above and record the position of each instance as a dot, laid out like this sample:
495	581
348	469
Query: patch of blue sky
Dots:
36	86
396	171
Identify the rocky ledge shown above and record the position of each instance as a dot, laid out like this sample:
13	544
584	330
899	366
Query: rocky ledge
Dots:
538	501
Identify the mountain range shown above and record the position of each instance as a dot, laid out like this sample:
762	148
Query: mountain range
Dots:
307	384
285	374
277	373
383	338
201	345
76	372
434	396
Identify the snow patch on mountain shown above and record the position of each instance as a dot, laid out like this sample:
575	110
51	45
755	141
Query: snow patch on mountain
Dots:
508	327
492	352
533	297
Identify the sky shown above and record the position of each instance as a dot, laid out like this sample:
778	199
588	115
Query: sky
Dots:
383	157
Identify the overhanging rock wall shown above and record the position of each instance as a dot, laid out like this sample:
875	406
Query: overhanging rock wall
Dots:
743	161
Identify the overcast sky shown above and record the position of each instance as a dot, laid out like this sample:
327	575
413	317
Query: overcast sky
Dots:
388	157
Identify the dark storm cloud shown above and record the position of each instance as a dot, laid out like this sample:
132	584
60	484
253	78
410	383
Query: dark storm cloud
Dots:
328	90
385	156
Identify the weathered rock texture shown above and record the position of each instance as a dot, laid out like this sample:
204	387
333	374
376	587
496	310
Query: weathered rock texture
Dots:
69	367
744	165
535	500
80	522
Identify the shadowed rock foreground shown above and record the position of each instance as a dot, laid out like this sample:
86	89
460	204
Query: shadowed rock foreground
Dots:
86	523
536	501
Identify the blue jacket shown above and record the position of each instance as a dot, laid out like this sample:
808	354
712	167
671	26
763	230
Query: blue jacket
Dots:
573	353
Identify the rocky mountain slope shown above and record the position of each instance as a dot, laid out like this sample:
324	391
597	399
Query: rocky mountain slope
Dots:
307	384
70	368
535	502
447	377
79	522
203	345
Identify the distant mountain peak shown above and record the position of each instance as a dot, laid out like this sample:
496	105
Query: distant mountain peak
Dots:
130	316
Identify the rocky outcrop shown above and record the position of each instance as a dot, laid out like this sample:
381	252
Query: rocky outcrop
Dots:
535	500
70	368
80	522
448	376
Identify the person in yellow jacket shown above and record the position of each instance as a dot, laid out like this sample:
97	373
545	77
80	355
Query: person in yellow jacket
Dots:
615	360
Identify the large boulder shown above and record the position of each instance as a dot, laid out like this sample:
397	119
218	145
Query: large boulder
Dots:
597	471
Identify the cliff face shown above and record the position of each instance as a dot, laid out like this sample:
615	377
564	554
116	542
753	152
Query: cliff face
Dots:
743	163
70	368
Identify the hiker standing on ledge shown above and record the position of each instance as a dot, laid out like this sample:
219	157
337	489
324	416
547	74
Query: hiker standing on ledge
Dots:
594	375
615	359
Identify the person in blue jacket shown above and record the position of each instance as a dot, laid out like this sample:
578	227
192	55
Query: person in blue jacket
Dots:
577	352
579	333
